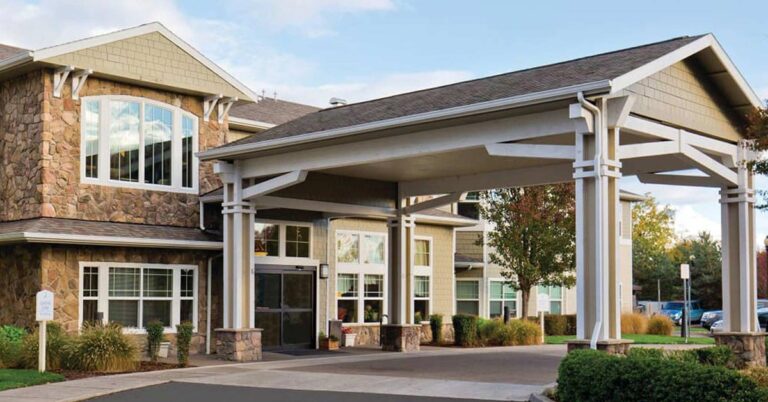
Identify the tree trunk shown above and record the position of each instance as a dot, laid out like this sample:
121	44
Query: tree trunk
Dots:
524	304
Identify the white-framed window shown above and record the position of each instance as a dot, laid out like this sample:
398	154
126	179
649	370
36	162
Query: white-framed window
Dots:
282	242
361	276
468	296
134	142
422	278
133	294
555	294
500	295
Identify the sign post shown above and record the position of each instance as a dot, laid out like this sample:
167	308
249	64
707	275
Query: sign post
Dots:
685	275
542	304
43	314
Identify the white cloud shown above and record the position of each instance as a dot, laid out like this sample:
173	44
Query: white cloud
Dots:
690	221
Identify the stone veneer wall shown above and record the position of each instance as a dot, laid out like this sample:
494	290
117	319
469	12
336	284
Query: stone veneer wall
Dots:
63	195
60	273
19	282
21	133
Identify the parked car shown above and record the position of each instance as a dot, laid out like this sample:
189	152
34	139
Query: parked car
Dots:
709	318
762	303
674	310
762	317
717	326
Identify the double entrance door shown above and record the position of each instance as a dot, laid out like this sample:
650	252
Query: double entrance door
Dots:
285	307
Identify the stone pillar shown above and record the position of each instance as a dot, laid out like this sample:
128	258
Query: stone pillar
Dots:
739	270
401	338
397	335
596	172
241	345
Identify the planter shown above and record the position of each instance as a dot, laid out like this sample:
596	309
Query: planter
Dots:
349	340
328	344
164	348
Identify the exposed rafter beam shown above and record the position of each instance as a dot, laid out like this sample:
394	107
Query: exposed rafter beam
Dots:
532	151
224	105
678	180
531	176
78	82
618	110
647	149
710	166
581	117
209	104
59	78
274	184
433	203
649	128
322	206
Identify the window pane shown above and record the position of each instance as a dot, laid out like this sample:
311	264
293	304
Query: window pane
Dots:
420	311
347	310
374	285
510	293
374	249
297	241
555	307
90	282
124	141
496	292
556	292
156	310
467	290
347	285
158	283
467	307
297	291
187	164
90	309
124	312
124	282
347	247
268	289
187	283
267	240
158	130
496	309
512	305
422	253
372	312
421	286
91	113
187	311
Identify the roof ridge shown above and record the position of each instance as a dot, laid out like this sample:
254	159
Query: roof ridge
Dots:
97	221
516	71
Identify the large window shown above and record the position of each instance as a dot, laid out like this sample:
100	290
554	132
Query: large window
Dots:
361	276
422	270
502	295
421	298
555	294
138	143
281	239
468	297
135	294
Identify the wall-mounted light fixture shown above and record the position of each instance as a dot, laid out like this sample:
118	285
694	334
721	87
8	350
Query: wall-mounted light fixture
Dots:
324	271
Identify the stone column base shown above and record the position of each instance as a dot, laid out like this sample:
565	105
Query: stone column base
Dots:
240	345
610	346
400	338
748	347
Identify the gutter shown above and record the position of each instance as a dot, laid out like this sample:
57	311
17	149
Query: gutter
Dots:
58	238
248	124
17	60
436	115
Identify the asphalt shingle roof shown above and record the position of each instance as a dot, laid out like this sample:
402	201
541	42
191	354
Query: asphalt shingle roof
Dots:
271	111
7	51
585	70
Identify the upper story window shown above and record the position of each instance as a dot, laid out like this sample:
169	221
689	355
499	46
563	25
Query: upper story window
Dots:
282	239
138	143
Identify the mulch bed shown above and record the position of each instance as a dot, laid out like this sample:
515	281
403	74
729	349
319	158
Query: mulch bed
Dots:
144	366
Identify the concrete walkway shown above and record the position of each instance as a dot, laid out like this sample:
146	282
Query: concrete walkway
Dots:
483	374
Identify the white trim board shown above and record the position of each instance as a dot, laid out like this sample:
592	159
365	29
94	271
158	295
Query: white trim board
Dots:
116	241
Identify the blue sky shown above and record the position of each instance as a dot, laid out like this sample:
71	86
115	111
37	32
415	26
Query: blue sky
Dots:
309	51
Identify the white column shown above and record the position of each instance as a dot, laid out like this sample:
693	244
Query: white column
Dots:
400	246
739	268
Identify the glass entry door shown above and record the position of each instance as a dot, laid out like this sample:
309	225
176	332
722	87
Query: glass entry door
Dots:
285	308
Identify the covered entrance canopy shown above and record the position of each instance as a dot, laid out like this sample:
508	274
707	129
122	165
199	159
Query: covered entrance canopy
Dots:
651	111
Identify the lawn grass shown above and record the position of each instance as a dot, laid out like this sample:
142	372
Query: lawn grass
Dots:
11	378
640	340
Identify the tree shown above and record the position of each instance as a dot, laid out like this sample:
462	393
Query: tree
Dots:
757	130
706	268
762	274
652	234
533	236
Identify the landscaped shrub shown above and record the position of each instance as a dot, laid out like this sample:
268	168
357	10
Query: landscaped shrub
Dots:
525	332
494	333
183	339
660	325
57	346
103	349
436	324
465	329
571	324
555	324
716	356
11	339
155	337
720	356
757	374
634	323
588	375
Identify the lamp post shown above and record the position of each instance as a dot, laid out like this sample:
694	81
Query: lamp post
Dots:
765	242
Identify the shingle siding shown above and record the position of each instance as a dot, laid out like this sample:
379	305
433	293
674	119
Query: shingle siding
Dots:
466	243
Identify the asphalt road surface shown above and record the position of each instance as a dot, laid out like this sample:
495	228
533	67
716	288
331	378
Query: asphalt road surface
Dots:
188	392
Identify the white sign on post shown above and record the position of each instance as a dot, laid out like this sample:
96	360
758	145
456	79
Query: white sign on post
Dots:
542	303
43	314
685	271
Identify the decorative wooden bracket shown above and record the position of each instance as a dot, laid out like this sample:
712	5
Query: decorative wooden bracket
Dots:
224	105
209	103
78	81
59	78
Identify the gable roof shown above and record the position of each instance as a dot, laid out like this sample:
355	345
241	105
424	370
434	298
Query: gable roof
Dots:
47	53
602	73
270	111
7	51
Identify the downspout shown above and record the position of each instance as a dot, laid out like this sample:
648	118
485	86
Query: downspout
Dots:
208	286
597	117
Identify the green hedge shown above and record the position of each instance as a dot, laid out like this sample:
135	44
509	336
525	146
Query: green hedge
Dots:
436	324
557	324
465	329
588	375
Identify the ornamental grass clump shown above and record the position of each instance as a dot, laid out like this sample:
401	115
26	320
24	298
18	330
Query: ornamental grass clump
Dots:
103	349
183	339
660	325
57	348
634	323
525	332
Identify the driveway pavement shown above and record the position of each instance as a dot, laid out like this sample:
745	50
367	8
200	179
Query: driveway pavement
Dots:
504	374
